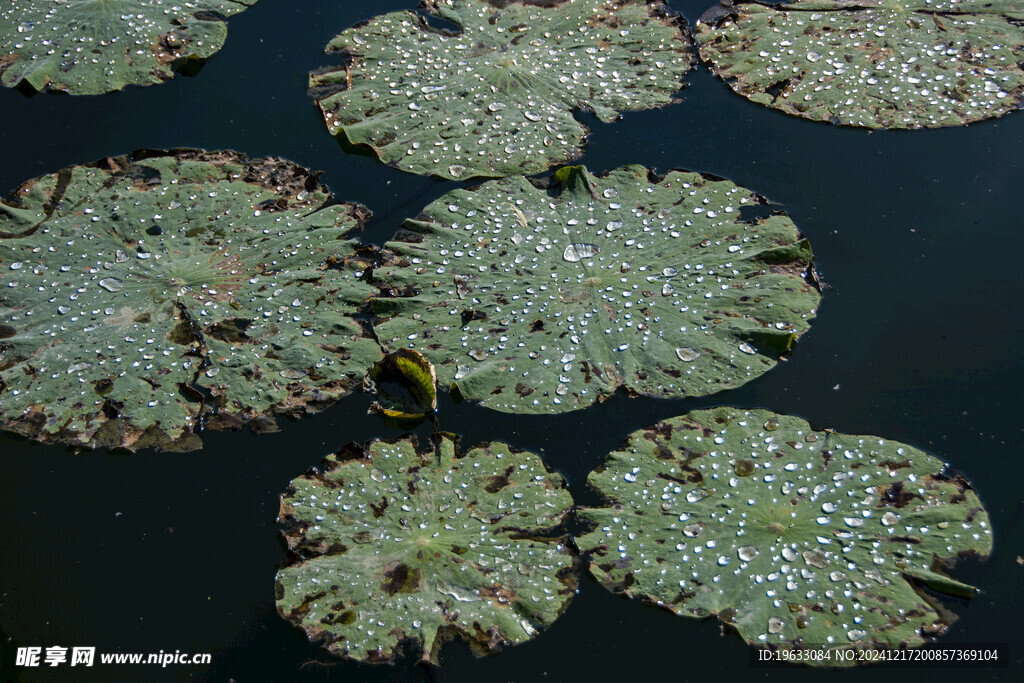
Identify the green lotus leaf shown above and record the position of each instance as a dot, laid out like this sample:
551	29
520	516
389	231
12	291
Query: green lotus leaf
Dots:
546	299
88	47
872	63
388	544
172	291
405	384
793	537
496	97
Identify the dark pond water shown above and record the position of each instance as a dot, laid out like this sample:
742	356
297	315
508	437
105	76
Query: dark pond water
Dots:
919	339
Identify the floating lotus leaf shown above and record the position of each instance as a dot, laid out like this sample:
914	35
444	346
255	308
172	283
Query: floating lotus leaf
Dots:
872	63
793	537
389	545
87	47
405	384
543	300
170	288
496	98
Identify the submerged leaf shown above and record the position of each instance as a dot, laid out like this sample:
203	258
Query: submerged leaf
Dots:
537	303
167	289
791	536
87	47
893	64
388	544
405	385
496	97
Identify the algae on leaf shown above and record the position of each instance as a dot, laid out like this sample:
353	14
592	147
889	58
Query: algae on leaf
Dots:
497	97
388	544
791	536
151	295
88	47
544	300
872	63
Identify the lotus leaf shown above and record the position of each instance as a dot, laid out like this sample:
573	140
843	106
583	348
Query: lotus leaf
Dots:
543	300
872	63
88	47
405	384
388	544
496	98
172	290
792	536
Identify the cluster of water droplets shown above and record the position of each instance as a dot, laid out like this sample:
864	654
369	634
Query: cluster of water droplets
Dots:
436	532
648	284
97	46
130	291
891	67
497	98
804	535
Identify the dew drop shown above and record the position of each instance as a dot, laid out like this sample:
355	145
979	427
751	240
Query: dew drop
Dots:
111	284
816	558
697	495
747	553
577	251
687	355
693	530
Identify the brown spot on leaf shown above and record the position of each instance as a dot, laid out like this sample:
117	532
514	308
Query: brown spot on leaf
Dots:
400	578
890	465
743	467
662	451
303	608
895	496
498	482
346	617
469	315
231	330
378	510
